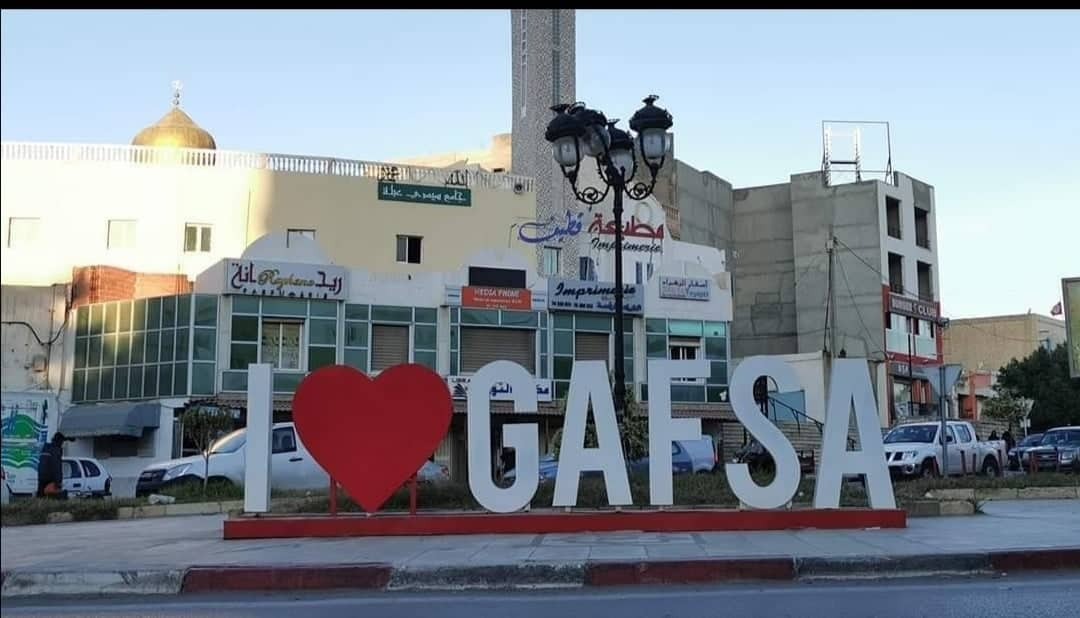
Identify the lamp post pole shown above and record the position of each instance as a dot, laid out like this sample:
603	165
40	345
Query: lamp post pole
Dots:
576	131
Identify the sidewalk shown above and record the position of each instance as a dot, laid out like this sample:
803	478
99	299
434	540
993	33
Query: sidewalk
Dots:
174	554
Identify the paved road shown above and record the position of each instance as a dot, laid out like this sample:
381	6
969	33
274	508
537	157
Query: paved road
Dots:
180	542
1045	596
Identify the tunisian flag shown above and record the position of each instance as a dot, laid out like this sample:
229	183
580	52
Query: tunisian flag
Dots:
1056	309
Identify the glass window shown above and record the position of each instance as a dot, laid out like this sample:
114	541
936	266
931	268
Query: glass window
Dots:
90	468
408	249
564	342
168	312
197	238
427	358
123	348
93	354
97	319
93	382
424	337
138	347
549	265
715	329
386	313
323	332
715	348
356	312
319	356
180	379
425	315
121	234
23	232
138	315
150	381
125	317
71	469
111	312
82	321
656	346
183	310
181	350
107	383
245	328
323	308
718	372
108	350
685	328
286	382
601	323
356	334
480	316
284	440
80	352
234	380
167	348
519	318
165	385
205	344
243	354
280	345
206	310
245	304
78	385
564	321
202	378
357	359
153	314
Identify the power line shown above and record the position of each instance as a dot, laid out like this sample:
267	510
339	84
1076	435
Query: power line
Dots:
858	257
807	269
851	295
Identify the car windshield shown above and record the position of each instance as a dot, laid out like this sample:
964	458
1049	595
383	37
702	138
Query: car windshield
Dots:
1060	438
1032	440
230	443
911	433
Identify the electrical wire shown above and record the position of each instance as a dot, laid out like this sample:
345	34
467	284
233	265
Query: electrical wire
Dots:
851	295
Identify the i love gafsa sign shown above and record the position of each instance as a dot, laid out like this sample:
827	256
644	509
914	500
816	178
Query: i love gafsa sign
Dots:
371	435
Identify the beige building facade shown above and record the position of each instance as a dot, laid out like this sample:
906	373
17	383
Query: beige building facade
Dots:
989	343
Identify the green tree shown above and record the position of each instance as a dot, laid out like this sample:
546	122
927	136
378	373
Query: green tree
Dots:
1044	378
1007	406
203	425
633	429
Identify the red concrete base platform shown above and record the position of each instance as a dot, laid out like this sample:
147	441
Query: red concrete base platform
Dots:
689	520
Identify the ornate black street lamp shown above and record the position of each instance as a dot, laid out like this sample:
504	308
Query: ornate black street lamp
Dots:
576	132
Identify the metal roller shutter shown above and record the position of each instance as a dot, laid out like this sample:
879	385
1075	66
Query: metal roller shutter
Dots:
591	346
480	346
389	346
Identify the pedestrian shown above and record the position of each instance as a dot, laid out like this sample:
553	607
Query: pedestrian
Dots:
50	468
1010	442
993	435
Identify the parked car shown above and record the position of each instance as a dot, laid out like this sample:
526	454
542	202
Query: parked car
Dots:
291	465
1018	454
1059	449
915	450
86	477
754	454
687	456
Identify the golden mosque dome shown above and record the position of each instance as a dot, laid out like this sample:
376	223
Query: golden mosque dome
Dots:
175	129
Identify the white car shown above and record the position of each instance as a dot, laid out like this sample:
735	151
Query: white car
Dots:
86	477
291	465
914	449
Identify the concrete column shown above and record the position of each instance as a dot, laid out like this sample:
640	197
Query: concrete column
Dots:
260	421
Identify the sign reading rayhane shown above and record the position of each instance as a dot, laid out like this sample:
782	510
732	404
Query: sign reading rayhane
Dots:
259	278
684	288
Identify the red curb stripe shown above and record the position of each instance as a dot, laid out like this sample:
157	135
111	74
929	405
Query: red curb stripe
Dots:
687	571
313	577
1039	559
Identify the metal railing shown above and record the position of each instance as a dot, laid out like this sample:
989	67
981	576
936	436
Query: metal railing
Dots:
301	164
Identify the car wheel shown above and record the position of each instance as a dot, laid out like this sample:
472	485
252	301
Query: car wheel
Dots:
990	467
928	470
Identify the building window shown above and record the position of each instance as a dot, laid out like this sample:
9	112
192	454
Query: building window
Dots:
591	346
892	216
685	348
197	238
23	232
586	269
408	249
480	346
389	346
642	272
298	233
281	343
550	262
926	281
896	273
922	228
121	234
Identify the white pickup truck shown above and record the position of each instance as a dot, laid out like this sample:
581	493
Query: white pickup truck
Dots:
914	449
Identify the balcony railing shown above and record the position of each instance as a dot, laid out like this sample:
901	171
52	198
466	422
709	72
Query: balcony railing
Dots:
894	230
896	287
302	164
922	241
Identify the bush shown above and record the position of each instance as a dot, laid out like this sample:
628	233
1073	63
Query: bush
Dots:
31	511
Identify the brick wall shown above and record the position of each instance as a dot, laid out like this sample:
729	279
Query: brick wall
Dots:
95	284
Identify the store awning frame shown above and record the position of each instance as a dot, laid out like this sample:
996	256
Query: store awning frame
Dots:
110	419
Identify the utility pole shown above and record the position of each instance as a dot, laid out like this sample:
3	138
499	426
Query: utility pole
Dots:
830	303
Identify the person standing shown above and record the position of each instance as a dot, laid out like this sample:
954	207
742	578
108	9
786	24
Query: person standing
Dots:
50	469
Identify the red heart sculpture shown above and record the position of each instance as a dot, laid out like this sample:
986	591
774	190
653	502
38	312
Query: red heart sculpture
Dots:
372	435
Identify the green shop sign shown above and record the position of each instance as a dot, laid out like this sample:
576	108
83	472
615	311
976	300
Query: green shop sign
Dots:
422	194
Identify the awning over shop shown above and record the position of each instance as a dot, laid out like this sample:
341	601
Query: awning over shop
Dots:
111	419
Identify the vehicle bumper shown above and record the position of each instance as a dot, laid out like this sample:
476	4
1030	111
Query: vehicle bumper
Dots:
904	468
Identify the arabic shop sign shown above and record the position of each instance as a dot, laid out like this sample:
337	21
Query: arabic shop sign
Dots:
554	228
912	307
484	297
596	296
684	288
500	391
422	194
261	278
536	232
631	229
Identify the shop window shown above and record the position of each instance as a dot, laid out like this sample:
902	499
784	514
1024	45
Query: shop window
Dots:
281	344
685	348
389	346
591	346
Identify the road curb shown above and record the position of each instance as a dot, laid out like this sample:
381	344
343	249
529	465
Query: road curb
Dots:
379	576
285	577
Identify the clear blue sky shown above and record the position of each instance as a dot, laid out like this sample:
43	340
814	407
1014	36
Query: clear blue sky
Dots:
983	105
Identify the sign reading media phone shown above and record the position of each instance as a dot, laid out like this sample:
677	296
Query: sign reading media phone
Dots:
596	296
291	280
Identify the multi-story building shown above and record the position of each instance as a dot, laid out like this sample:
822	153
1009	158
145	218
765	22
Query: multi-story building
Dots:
879	275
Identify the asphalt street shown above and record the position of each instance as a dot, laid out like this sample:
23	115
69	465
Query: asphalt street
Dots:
1046	596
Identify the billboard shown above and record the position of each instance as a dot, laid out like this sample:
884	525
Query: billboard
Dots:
1070	294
